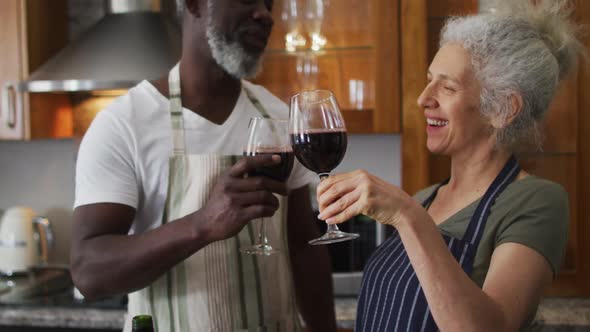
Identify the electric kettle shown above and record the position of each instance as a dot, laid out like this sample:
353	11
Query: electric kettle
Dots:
25	240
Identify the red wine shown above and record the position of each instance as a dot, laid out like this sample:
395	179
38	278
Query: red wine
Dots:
319	151
280	171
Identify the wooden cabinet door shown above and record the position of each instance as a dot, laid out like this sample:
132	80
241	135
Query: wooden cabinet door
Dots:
50	114
565	159
31	31
359	62
13	67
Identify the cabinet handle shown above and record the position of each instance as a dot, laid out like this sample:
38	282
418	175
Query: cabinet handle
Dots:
11	104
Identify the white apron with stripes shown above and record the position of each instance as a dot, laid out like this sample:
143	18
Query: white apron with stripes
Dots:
217	288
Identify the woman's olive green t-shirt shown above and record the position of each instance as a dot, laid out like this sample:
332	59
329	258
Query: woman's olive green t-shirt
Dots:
532	211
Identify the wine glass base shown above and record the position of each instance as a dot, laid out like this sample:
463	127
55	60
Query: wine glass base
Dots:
333	237
259	249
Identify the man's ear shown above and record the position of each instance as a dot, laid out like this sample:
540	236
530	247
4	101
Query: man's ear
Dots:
515	104
193	7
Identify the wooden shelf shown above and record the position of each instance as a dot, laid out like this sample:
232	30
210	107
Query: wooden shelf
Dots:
322	52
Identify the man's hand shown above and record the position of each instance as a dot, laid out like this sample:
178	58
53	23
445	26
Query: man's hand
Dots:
237	199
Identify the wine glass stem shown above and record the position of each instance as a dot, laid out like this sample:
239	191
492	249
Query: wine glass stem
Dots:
262	239
331	228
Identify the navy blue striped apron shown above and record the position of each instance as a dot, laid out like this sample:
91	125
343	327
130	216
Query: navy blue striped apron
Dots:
391	298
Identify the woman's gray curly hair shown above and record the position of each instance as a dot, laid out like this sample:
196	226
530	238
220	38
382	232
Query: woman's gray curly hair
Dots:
520	47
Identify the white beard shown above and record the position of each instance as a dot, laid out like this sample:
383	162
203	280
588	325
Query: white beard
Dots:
230	55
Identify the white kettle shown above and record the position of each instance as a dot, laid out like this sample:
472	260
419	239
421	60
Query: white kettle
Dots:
25	240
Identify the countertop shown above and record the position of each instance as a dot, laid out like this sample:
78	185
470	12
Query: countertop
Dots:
554	314
45	298
62	317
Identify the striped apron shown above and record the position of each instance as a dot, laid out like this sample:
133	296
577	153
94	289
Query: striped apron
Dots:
217	288
391	298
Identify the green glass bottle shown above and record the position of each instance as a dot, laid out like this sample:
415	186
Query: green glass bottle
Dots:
142	323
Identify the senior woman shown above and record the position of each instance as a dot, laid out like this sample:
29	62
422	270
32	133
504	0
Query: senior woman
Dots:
503	231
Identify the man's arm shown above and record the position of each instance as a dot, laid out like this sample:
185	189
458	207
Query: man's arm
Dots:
106	261
312	272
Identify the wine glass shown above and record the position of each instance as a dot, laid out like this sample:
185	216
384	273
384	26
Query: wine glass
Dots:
290	14
313	18
307	71
318	137
268	136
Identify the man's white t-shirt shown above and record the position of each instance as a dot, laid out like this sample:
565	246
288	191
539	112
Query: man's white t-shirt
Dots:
123	157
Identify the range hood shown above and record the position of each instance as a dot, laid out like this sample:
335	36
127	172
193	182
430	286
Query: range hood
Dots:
132	42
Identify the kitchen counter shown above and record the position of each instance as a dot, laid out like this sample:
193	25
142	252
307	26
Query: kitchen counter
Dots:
63	317
45	298
555	314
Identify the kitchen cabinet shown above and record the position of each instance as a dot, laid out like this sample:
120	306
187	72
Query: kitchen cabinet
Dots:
565	157
13	66
31	31
359	61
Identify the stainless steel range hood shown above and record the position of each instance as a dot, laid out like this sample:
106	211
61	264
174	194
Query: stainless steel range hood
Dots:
134	41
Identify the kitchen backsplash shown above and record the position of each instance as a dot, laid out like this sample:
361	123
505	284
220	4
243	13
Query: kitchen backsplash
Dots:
379	154
40	174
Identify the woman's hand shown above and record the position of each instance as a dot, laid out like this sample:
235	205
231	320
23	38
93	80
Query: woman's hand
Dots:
343	196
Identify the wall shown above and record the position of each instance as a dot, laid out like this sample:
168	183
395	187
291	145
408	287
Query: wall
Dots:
378	154
40	174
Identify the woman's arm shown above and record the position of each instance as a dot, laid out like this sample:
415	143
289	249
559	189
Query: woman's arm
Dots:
514	283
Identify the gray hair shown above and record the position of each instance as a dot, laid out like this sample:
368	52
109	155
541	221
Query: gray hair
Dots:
520	48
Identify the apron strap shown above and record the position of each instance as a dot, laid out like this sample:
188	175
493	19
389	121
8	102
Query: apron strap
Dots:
257	104
478	220
176	110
